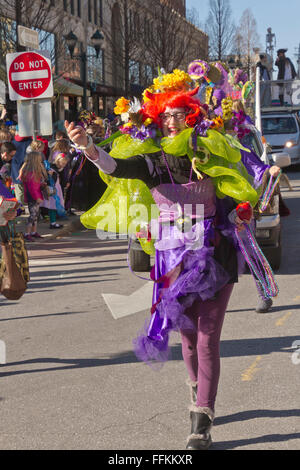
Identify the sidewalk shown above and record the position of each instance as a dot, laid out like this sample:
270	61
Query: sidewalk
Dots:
71	224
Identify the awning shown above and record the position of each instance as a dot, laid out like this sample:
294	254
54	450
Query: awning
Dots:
66	87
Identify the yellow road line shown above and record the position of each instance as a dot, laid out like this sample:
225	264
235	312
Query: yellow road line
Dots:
282	320
249	373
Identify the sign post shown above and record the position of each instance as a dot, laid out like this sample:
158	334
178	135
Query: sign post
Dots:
28	37
30	78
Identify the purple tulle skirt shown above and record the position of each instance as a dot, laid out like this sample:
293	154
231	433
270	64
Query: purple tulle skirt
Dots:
183	275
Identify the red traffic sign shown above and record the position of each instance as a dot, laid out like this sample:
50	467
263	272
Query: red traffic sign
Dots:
29	75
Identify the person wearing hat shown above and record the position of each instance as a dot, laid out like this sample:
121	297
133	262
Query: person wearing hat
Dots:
286	71
265	91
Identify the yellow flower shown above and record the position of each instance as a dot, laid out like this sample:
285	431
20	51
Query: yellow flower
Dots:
218	123
151	89
148	122
227	104
172	81
122	106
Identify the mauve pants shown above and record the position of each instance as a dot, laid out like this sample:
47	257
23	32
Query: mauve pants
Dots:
201	348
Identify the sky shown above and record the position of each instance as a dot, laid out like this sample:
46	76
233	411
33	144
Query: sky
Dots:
282	16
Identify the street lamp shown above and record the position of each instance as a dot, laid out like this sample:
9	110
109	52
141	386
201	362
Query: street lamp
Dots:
97	41
231	63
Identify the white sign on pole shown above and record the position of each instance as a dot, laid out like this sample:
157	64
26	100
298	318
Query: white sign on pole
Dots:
28	37
34	117
296	92
29	75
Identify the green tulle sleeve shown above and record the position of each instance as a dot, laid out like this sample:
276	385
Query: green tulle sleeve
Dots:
127	205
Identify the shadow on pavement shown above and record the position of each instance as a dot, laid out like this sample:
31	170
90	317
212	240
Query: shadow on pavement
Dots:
271	438
254	414
229	348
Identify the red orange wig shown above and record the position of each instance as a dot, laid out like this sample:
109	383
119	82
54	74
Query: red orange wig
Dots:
158	102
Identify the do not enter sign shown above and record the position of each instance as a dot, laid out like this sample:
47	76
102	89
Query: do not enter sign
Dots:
29	75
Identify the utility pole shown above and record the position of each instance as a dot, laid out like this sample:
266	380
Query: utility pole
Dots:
270	46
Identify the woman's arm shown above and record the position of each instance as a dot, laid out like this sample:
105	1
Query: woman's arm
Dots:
99	157
136	167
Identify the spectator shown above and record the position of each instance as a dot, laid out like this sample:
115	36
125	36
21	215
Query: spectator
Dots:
60	146
286	71
21	144
8	151
33	175
265	88
61	165
59	135
55	201
45	142
5	136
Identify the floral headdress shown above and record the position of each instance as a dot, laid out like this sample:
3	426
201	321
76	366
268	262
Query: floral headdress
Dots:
142	120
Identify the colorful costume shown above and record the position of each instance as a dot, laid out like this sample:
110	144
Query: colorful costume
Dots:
196	253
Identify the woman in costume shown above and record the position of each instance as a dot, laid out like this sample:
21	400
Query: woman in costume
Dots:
173	155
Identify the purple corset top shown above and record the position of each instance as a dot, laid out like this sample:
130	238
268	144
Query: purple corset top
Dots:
167	197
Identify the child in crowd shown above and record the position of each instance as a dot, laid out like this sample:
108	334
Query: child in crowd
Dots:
5	136
33	175
36	146
59	135
62	166
60	146
55	201
8	151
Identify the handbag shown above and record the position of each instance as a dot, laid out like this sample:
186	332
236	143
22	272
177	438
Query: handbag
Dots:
14	268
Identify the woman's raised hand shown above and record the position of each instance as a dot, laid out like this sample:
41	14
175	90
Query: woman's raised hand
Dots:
76	133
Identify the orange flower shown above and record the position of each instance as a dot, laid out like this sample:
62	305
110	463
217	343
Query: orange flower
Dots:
218	123
122	106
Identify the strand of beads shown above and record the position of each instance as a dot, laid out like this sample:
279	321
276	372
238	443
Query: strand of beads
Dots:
268	193
258	265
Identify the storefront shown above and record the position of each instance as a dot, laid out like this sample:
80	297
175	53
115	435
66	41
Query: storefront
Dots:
68	101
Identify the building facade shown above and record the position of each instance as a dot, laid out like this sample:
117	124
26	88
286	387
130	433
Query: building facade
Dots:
139	37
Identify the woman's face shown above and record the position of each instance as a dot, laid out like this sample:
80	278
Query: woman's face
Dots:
173	121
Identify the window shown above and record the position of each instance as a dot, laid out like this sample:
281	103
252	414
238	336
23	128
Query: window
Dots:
79	8
279	125
148	74
95	71
251	141
72	8
65	5
48	43
134	72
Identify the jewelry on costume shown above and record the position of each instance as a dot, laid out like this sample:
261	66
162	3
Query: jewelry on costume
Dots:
258	264
268	193
85	147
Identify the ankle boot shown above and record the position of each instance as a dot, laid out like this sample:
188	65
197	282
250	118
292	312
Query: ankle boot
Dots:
201	420
193	387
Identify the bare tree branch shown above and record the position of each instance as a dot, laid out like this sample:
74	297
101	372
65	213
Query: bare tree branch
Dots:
220	28
247	38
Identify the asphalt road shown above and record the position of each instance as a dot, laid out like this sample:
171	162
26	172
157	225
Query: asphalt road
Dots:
71	380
